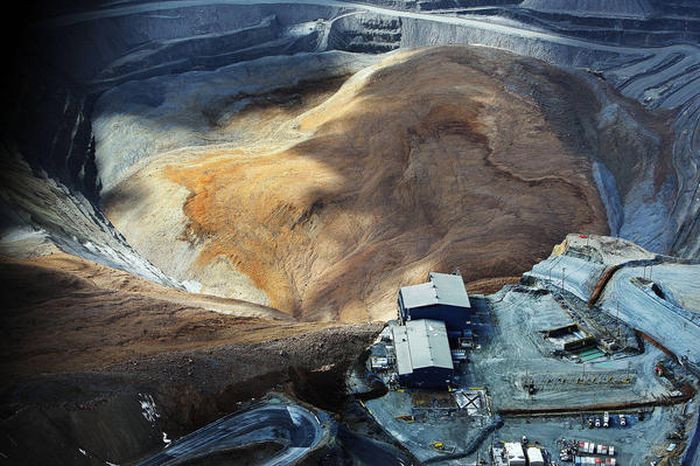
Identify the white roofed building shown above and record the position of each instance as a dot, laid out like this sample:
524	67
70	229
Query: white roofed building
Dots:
535	456
443	298
515	454
423	356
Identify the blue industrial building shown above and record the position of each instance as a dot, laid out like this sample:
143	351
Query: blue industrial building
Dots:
423	356
443	298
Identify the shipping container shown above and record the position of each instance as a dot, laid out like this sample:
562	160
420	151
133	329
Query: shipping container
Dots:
591	460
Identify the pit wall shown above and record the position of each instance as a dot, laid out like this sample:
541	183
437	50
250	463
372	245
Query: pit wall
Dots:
153	41
32	201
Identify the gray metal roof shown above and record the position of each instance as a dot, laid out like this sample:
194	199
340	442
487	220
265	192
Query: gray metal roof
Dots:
421	343
442	288
403	353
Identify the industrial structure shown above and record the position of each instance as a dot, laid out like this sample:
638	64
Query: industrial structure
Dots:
423	354
535	457
443	297
515	455
534	377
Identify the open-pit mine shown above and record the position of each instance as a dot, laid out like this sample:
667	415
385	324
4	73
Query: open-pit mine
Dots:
384	232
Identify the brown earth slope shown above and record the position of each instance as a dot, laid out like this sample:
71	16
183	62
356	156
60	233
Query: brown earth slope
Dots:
82	343
63	314
433	160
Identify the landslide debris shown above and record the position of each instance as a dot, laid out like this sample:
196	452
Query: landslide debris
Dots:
435	159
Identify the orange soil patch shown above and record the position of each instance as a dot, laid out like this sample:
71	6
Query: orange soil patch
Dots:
431	165
491	285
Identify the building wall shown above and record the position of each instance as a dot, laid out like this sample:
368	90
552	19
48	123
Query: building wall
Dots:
455	318
402	308
428	377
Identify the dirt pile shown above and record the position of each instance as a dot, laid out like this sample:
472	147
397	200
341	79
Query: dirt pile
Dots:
433	160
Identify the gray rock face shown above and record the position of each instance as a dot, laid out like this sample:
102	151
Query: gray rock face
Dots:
365	33
35	203
619	8
116	45
646	49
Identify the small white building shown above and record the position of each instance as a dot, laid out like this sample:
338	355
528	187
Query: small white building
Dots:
534	455
515	454
423	356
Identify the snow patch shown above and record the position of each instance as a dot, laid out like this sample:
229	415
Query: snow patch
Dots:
148	408
192	286
294	416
